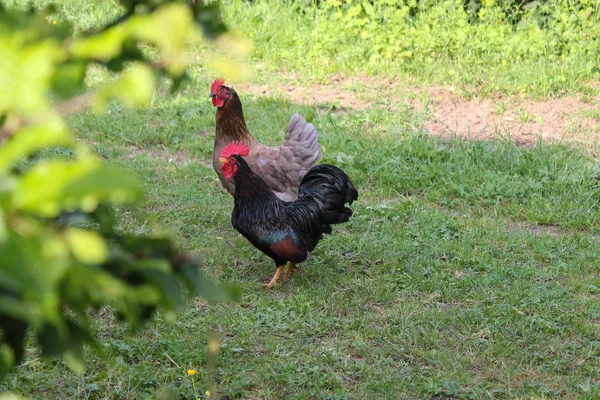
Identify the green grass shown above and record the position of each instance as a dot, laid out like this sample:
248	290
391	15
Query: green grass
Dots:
469	269
435	45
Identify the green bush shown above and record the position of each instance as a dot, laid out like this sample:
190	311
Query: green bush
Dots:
420	30
60	254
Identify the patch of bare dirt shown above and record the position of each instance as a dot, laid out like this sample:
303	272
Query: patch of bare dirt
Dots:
74	105
547	230
447	113
524	121
338	91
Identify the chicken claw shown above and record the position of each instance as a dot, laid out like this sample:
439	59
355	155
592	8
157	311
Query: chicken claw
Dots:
291	268
275	280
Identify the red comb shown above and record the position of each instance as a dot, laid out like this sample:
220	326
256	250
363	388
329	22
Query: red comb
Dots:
216	84
235	148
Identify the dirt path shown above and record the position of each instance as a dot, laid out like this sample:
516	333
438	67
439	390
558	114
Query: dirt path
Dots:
447	114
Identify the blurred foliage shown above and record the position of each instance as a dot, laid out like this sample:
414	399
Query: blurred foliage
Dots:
60	255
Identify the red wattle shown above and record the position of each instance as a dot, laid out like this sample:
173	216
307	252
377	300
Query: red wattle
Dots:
217	102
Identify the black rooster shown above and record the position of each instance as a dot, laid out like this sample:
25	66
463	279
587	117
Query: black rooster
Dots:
286	231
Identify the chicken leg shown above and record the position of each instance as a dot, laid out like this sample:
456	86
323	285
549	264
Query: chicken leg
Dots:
275	279
291	268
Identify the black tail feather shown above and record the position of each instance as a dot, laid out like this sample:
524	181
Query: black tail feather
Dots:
332	189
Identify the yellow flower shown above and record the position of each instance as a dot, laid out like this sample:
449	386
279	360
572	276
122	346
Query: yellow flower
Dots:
207	393
191	372
53	22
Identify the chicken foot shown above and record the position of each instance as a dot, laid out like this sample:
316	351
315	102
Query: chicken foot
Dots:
275	279
291	268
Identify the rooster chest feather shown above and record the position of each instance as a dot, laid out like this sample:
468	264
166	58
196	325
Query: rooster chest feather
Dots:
268	231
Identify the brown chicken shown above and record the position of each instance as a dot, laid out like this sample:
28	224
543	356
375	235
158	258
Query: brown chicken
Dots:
282	168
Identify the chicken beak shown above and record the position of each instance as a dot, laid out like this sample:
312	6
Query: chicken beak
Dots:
223	160
212	94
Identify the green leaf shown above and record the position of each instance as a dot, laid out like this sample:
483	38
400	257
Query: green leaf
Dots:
11	396
33	265
167	284
105	183
73	355
202	286
103	46
16	309
32	139
41	190
87	246
7	361
13	340
150	264
51	271
74	359
27	72
96	285
67	80
3	227
176	22
50	340
135	88
147	246
209	18
52	187
369	9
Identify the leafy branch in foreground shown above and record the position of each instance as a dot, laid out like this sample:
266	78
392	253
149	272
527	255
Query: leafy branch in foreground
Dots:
60	254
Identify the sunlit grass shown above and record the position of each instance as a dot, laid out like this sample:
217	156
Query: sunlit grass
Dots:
468	268
287	38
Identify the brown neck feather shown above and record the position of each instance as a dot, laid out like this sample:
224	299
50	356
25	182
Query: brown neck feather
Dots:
230	122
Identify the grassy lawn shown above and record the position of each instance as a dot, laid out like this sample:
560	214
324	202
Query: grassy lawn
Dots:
469	269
